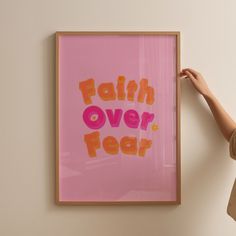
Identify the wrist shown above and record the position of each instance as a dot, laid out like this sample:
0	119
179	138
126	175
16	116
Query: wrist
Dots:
208	95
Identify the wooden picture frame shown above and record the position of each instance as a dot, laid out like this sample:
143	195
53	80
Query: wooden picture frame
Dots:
97	178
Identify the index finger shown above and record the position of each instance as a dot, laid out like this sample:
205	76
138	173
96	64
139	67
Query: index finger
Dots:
194	72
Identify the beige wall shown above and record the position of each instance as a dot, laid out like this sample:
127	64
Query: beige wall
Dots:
27	98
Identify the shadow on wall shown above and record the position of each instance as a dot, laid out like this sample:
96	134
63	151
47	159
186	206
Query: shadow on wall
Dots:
50	117
208	158
210	167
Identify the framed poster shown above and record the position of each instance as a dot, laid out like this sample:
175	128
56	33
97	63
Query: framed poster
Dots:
117	118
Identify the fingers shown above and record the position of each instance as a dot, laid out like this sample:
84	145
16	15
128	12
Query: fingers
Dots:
194	72
186	73
190	75
181	73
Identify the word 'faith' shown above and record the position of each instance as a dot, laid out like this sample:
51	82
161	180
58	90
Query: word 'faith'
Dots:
107	91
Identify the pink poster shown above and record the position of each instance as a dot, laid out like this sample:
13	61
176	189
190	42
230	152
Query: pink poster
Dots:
117	118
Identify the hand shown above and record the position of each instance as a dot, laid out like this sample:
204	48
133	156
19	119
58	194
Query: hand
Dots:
197	80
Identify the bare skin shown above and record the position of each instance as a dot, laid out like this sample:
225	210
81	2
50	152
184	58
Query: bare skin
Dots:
223	119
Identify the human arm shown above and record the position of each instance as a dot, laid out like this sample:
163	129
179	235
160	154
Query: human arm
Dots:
226	124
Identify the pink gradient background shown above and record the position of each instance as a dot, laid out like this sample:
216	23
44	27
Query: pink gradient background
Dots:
117	177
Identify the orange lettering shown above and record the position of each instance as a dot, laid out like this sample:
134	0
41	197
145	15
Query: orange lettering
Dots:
93	142
146	90
121	88
144	145
128	145
131	88
88	89
110	145
106	91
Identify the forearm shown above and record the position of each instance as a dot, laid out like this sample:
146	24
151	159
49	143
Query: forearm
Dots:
223	119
